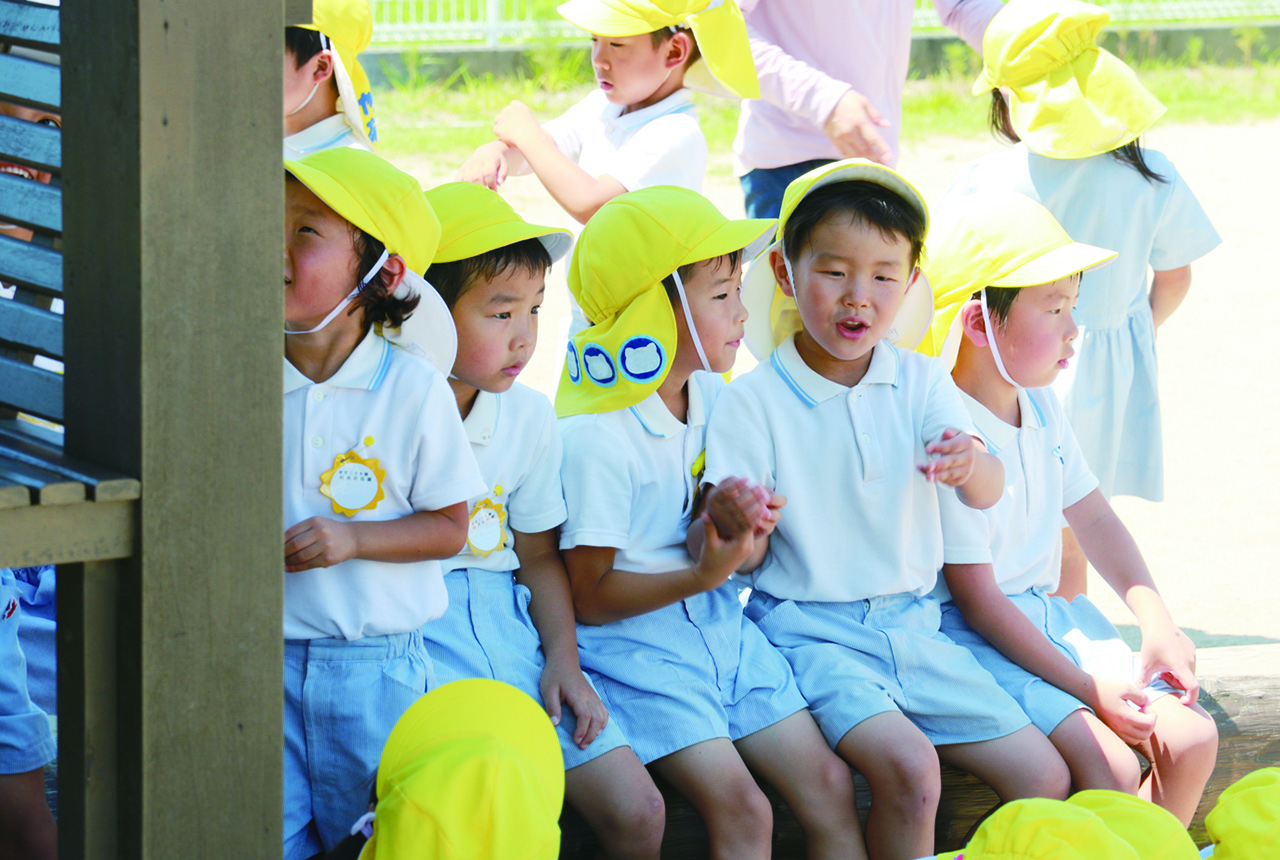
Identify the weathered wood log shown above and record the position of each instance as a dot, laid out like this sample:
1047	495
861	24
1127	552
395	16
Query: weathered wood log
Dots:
1240	688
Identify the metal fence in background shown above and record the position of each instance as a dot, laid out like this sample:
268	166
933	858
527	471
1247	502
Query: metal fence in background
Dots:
496	21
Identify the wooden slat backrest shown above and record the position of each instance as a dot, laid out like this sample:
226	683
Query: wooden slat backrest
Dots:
31	339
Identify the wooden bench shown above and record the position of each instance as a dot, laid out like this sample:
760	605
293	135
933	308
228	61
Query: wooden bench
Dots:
1241	689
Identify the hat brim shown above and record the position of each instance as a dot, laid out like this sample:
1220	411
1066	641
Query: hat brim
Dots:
557	241
336	196
850	169
595	17
1058	263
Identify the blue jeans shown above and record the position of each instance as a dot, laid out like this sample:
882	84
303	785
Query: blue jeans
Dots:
763	187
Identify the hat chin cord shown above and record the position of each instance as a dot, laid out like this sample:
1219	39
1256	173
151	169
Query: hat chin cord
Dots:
688	318
342	305
991	339
315	87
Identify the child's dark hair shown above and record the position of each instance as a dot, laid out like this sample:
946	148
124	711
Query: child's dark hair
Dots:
303	43
660	36
859	201
1001	125
684	271
453	279
379	305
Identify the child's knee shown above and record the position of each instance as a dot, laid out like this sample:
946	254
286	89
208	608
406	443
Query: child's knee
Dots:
1192	739
638	820
909	779
1050	778
745	808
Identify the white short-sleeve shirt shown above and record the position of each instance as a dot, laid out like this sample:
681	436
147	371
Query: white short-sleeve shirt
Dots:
1044	474
384	404
517	444
629	479
861	521
658	145
329	133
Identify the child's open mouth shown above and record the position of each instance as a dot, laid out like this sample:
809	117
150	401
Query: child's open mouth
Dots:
852	328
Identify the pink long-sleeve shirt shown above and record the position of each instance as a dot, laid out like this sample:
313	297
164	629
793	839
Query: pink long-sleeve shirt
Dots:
809	53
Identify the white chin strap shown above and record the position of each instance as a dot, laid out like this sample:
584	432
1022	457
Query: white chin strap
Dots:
991	339
307	100
688	318
342	305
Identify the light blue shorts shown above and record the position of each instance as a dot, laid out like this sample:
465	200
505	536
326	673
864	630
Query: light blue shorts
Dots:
687	673
26	742
1078	630
37	591
487	633
858	659
341	700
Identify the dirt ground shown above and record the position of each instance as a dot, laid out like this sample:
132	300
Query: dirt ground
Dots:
1207	542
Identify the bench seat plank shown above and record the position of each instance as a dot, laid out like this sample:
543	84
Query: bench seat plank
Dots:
48	488
104	486
38	146
30	265
30	82
31	328
13	495
30	204
31	389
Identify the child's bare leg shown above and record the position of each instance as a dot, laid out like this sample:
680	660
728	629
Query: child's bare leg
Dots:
1095	755
1075	568
617	798
793	757
1021	764
901	767
1182	750
27	830
713	778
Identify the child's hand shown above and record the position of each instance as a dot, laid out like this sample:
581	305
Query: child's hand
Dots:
1121	707
775	505
1171	656
720	557
318	542
957	452
515	124
736	506
487	166
568	685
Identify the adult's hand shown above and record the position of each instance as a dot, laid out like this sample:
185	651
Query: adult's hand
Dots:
854	128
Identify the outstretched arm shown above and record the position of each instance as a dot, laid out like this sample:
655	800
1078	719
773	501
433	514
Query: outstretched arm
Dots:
962	461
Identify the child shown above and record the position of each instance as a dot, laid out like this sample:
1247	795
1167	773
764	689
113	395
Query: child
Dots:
1078	112
490	268
640	127
698	691
855	433
377	475
27	828
327	98
1005	276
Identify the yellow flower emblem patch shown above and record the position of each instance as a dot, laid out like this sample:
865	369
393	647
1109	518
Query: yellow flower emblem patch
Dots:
353	483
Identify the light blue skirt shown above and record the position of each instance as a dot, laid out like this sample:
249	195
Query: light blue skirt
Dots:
858	659
687	673
487	633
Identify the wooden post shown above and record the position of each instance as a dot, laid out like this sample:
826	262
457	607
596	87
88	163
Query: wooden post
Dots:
173	200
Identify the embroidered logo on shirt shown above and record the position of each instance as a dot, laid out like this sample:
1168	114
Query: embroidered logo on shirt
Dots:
486	530
9	610
354	483
1057	452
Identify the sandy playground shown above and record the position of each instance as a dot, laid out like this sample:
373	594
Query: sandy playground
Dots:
1211	542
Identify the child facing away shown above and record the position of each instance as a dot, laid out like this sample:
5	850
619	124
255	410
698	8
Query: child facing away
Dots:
699	692
328	101
856	433
490	269
1076	113
1005	277
639	128
377	476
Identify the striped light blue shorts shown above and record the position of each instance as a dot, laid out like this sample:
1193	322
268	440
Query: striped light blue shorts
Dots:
857	659
1078	630
687	673
26	742
487	633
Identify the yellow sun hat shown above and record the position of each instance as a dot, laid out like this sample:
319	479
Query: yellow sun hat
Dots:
475	220
348	24
388	204
994	239
471	771
726	67
1153	831
772	314
623	253
1040	829
1067	97
1245	823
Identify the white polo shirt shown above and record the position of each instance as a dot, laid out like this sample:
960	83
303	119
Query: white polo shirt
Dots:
629	479
658	145
861	520
517	444
405	406
1044	474
329	133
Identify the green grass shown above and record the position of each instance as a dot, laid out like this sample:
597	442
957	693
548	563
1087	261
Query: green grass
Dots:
449	120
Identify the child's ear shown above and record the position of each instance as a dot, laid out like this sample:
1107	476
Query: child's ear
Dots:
912	278
393	272
975	327
779	267
324	66
679	47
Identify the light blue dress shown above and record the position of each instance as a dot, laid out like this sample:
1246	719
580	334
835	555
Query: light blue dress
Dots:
1110	391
